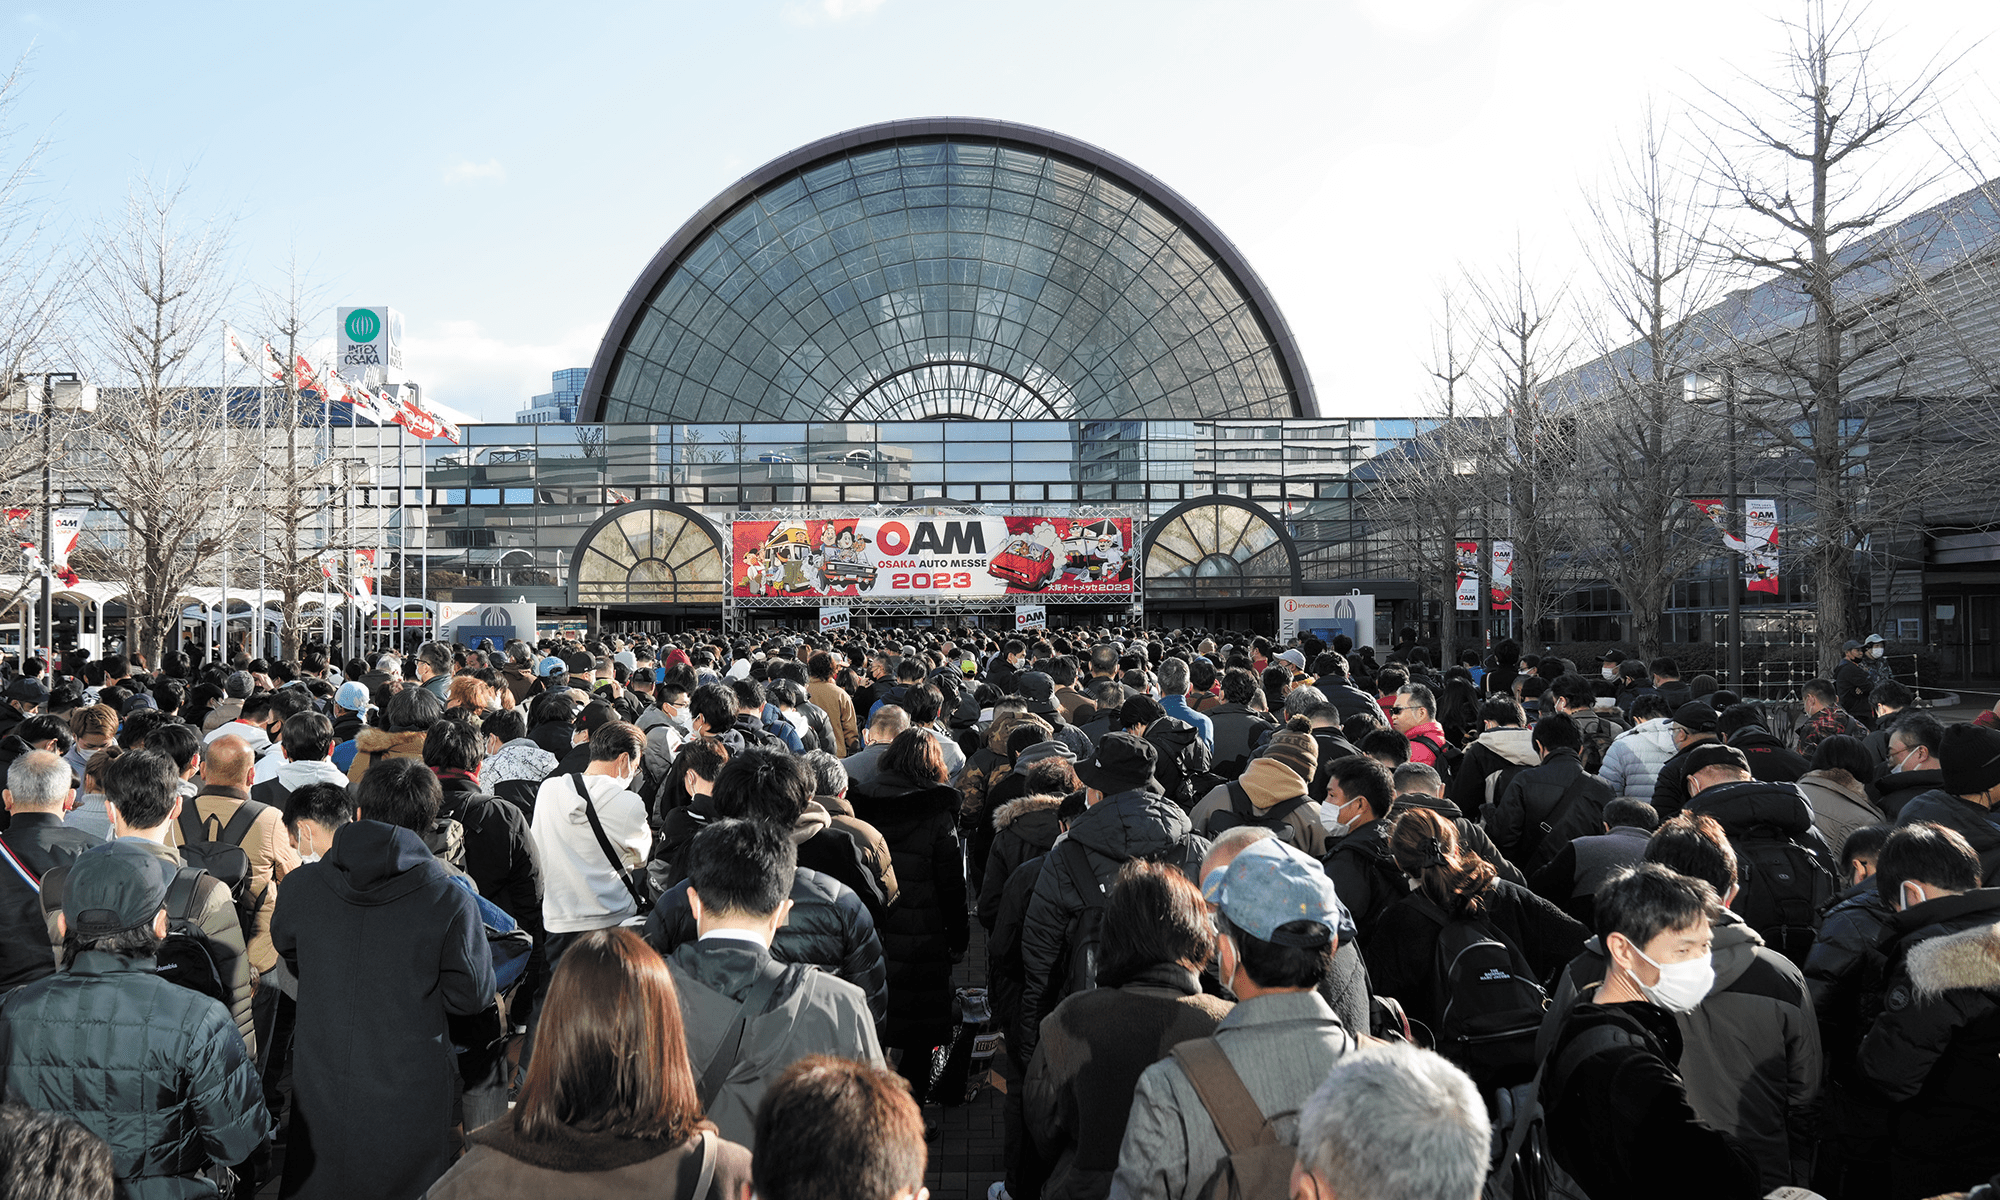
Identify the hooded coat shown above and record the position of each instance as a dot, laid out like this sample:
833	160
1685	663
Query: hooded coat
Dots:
928	927
990	763
1117	829
1268	783
1022	829
1935	1050
1633	763
1970	821
386	946
1750	1052
1894	789
1836	971
371	744
1184	758
1490	762
1770	761
811	1012
1753	809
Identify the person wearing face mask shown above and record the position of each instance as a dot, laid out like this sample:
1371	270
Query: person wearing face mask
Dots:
1750	1058
1967	794
1852	683
1934	1051
1910	764
582	888
1617	1111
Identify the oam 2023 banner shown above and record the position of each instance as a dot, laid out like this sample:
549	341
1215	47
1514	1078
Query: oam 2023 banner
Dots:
906	556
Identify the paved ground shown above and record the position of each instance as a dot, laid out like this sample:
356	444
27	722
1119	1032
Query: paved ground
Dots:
966	1158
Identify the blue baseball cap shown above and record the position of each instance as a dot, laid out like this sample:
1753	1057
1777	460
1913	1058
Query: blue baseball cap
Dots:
352	696
550	666
1271	884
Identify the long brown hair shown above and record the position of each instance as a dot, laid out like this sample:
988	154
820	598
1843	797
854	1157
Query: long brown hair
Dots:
611	1056
915	756
1425	844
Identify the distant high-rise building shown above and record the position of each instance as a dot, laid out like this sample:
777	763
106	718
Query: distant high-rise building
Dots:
558	405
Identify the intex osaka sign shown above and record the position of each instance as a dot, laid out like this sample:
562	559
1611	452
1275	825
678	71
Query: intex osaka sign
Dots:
371	337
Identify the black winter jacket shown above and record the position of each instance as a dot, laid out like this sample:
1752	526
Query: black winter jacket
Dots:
1530	821
1365	876
155	1069
1182	759
1238	729
1969	820
928	926
499	851
1838	970
1119	828
1471	835
829	928
1006	978
1895	789
1024	828
1935	1050
1670	786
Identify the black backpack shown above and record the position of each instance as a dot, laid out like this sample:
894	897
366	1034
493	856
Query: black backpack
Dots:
1489	1004
1782	888
1242	812
1082	937
187	956
1576	813
1391	885
1598	734
1448	758
217	847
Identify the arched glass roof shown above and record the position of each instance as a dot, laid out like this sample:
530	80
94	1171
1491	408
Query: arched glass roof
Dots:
947	269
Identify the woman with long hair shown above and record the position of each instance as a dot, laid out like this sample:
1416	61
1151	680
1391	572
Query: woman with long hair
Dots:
1454	884
609	1107
912	803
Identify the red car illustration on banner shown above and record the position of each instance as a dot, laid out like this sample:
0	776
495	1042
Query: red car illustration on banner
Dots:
1024	562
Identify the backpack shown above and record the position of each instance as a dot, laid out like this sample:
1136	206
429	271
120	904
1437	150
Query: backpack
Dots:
187	956
1526	1169
222	855
1242	812
1391	884
1783	887
1085	929
1447	758
446	839
1489	1004
1571	816
1255	1164
1598	734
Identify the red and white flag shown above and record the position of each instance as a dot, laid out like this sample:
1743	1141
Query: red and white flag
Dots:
364	574
263	360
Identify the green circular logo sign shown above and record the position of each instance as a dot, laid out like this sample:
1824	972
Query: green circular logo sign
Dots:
363	325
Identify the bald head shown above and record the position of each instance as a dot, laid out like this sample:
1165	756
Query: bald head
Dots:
227	762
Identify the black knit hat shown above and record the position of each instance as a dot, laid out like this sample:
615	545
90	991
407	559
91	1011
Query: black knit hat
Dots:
1969	756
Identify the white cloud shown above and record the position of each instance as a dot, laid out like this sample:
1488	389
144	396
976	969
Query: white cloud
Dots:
489	377
461	171
829	10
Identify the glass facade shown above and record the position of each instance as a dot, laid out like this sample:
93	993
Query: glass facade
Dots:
954	276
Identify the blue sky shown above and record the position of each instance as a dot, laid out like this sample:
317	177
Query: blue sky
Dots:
500	172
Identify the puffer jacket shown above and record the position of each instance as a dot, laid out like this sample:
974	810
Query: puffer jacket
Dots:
1840	805
1183	758
1022	829
1496	756
1935	1050
1117	829
155	1069
990	764
1670	786
1238	729
1969	820
928	927
1750	1050
1894	789
1531	821
870	849
1770	761
1837	970
1266	783
829	928
1755	810
1633	763
371	744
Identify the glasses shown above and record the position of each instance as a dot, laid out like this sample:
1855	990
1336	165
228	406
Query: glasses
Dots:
1401	708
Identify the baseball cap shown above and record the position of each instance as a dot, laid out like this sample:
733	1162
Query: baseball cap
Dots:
1271	884
115	887
550	666
1695	717
1873	639
1039	690
1295	658
352	696
1849	644
1717	755
28	691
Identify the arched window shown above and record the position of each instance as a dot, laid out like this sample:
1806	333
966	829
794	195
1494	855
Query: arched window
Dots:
1217	548
648	552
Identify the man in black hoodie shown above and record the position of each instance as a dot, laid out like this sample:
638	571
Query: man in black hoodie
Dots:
1969	761
1791	869
1912	767
1741	726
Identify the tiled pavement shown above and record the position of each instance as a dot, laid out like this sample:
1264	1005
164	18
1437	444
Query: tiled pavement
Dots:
966	1158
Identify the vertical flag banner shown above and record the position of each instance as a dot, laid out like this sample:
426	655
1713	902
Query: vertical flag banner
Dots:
364	574
263	360
1503	576
1713	510
69	528
1468	577
329	566
1760	527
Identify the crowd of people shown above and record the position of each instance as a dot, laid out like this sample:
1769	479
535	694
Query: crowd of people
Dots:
680	915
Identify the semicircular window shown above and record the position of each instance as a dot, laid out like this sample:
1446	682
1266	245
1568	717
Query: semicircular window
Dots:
947	278
652	556
1214	552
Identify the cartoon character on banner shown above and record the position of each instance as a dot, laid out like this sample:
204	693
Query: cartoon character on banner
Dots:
846	568
753	571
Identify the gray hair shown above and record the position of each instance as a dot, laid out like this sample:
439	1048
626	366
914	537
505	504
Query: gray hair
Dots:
1300	701
391	664
40	779
1392	1122
1420	696
1173	673
829	771
1419	777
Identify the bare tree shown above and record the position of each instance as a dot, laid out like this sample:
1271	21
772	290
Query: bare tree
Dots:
152	295
1800	159
1527	463
1640	447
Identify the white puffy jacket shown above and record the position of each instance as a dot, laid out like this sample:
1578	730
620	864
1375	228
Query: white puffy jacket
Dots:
1633	762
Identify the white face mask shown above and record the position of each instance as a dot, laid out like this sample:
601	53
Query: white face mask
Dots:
1329	816
1682	985
1608	672
1874	651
